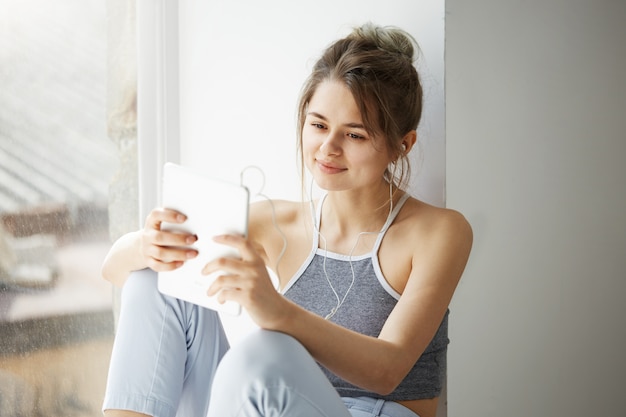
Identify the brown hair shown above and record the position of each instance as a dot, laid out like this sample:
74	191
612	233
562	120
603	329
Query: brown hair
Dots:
376	64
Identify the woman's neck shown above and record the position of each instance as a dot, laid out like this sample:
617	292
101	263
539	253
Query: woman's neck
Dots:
347	213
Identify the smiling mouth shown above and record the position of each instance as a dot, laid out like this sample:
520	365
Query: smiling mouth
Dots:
329	168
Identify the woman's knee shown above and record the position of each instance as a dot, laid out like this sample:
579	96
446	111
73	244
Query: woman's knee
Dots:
139	283
271	373
142	298
262	356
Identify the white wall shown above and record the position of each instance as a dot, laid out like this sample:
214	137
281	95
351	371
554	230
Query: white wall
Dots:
535	130
242	66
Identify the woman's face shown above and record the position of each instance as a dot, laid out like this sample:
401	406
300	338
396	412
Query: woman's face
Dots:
337	149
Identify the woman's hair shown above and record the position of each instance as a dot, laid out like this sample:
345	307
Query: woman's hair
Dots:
376	64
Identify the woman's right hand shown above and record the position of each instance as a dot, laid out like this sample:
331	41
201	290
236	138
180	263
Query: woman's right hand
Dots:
150	247
164	250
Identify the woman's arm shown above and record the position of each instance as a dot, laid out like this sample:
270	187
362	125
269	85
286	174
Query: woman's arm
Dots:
149	247
122	258
376	364
380	364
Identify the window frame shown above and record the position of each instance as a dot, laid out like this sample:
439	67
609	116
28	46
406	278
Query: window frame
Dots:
158	119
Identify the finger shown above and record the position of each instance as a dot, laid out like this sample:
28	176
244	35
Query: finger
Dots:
228	294
171	238
224	264
168	254
223	283
160	266
240	243
160	215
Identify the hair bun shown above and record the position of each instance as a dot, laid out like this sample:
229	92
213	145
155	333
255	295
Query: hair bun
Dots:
387	38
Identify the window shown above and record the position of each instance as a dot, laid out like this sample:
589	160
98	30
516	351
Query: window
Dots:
67	188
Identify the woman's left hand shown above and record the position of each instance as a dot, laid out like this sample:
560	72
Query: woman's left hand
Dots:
246	281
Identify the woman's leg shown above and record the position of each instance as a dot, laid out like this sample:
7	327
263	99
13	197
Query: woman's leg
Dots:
165	353
272	374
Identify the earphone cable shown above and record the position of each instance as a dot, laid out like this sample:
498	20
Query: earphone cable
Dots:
274	221
340	302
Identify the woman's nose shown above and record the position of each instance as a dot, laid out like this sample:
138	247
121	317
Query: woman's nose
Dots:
331	144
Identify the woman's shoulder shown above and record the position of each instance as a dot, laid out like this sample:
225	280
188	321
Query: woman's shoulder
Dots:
430	220
280	208
269	213
423	236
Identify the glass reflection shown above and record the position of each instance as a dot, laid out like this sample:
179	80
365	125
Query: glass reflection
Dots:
56	163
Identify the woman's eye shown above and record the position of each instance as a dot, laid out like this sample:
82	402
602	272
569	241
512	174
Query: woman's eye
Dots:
355	136
317	125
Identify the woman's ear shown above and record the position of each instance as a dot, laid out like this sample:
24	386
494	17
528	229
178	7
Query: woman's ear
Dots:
408	141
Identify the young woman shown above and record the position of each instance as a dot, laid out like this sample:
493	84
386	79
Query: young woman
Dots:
359	324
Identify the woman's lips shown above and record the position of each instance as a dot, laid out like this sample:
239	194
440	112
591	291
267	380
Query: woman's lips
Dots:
329	168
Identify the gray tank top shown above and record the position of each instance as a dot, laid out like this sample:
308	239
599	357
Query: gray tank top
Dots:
365	309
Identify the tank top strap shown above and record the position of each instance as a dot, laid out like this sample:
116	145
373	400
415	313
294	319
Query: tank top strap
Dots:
316	217
392	216
316	213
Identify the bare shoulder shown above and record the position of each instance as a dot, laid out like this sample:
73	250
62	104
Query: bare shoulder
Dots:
266	210
433	220
434	228
267	215
425	242
272	223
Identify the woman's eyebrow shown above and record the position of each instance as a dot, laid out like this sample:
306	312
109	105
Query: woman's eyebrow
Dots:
316	114
352	125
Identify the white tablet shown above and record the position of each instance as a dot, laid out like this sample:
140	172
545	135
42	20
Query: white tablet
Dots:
213	207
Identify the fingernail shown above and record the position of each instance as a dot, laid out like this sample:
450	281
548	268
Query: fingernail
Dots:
191	254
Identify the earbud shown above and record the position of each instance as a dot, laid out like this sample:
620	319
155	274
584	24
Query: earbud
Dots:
403	147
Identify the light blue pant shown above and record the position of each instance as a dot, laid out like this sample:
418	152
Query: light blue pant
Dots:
165	354
165	363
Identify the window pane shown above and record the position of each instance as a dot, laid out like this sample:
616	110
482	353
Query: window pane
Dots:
56	163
